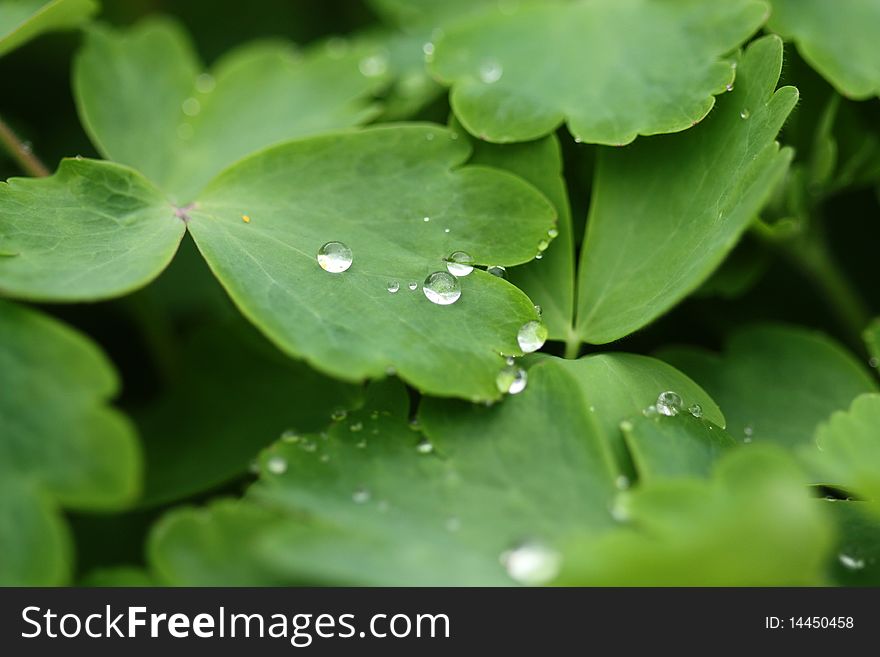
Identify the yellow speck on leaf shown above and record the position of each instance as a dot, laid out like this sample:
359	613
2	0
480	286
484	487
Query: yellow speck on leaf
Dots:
246	219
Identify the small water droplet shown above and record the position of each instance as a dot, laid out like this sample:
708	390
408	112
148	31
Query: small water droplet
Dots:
491	71
442	288
542	245
696	410
553	233
357	426
453	524
413	286
191	107
374	65
850	562
334	257
512	380
650	411
428	50
289	436
531	563
539	310
729	86
360	496
531	336
205	83
459	263
277	465
429	136
745	114
668	403
497	270
510	360
392	286
445	230
748	432
426	219
424	446
539	256
874	362
622	482
338	414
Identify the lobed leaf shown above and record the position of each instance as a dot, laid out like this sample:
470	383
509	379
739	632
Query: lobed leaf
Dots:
656	231
616	69
838	39
23	20
776	383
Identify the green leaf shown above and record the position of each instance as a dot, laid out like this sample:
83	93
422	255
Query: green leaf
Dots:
847	449
549	281
655	231
372	190
92	230
776	383
60	444
23	20
841	40
856	559
145	101
671	447
116	576
518	73
752	524
233	395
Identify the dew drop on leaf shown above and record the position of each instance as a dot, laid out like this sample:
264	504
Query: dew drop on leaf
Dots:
542	245
512	380
531	563
539	310
491	71
424	446
745	114
360	496
413	286
276	465
497	270
553	233
531	336
696	410
393	286
850	562
442	288
334	257
460	263
669	403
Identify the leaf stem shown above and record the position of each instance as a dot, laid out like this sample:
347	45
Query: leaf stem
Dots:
21	152
572	345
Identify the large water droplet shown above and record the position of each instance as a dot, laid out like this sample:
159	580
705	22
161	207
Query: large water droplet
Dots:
531	563
669	403
442	288
276	465
491	71
460	263
497	270
393	286
850	562
334	257
531	336
360	496
512	380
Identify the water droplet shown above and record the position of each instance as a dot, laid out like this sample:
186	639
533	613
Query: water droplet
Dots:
277	465
539	256
553	233
539	310
626	426
360	496
428	50
696	410
334	257
512	380
191	107
850	562
413	286
424	446
531	563
748	432
491	71
542	245
460	263
874	362
620	509
669	403
510	360
374	65
729	86
426	219
290	436
430	136
445	230
338	414
497	270
442	288
622	482
531	336
393	286
357	426
205	83
453	524
650	411
745	114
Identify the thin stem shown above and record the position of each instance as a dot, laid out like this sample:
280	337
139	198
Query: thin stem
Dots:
572	345
21	152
